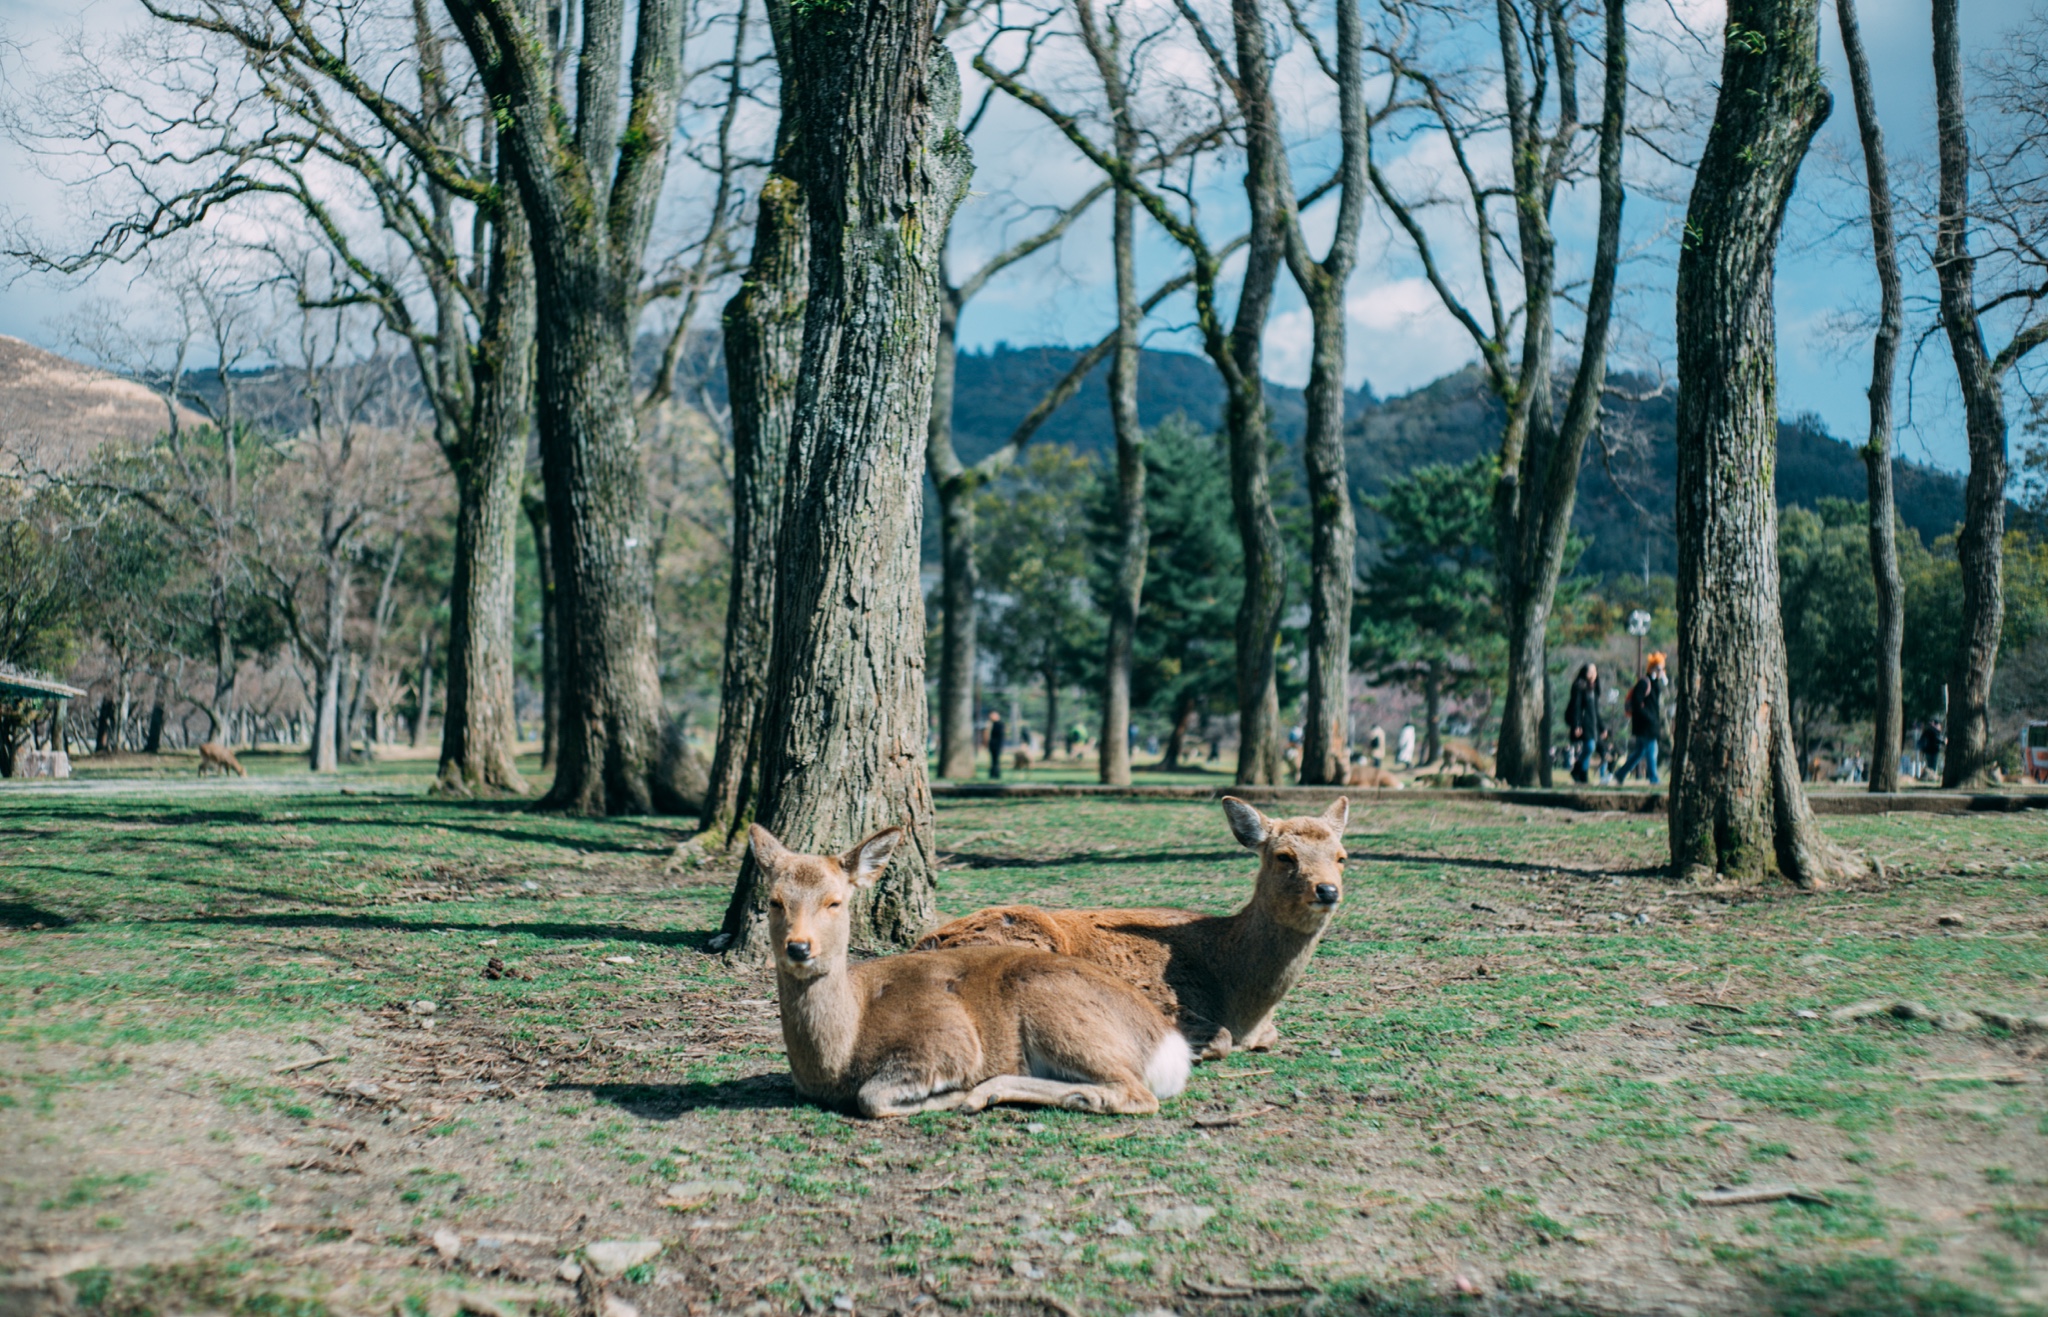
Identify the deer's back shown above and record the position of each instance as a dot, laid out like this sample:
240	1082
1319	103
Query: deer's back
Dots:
1168	955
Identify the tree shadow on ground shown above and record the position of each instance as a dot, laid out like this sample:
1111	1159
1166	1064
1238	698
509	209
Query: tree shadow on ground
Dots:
1512	866
764	1091
695	939
986	860
22	916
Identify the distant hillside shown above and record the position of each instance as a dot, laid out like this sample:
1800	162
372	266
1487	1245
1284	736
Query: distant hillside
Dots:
995	390
1452	420
54	412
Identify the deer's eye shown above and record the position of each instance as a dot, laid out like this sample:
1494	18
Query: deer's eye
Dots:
775	903
834	905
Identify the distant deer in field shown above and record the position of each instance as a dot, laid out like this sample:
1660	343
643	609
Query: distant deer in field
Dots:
213	756
1021	760
948	1030
1457	754
1218	977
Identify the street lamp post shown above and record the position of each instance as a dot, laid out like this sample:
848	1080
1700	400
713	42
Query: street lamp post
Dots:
1639	626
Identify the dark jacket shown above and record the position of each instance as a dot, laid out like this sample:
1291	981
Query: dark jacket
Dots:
1646	705
1582	710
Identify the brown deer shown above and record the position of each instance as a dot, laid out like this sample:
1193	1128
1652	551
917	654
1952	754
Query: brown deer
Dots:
213	755
1218	977
948	1030
1367	775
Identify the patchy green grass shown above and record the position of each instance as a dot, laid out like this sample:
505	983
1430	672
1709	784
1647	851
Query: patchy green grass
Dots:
260	1042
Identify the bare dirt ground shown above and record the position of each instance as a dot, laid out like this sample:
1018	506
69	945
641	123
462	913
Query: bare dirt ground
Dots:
291	1056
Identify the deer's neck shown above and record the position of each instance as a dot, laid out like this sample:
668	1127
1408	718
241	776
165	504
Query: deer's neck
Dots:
820	1025
1266	957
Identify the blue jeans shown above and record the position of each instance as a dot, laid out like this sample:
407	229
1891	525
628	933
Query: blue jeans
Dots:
1644	751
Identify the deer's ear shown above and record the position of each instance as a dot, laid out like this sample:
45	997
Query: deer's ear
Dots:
866	860
1246	823
1339	814
767	850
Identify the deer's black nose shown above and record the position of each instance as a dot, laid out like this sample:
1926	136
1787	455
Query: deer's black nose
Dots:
1326	893
798	951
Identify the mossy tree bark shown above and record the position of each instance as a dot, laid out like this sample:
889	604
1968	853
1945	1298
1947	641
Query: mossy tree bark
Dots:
764	331
1888	722
843	745
479	734
1737	806
590	189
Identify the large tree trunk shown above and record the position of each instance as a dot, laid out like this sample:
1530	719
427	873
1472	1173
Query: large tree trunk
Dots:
1888	720
764	335
1980	548
844	735
550	626
1259	759
380	618
479	733
609	721
589	186
1737	807
1133	535
959	581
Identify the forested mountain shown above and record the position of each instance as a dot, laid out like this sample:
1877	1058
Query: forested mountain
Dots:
1625	490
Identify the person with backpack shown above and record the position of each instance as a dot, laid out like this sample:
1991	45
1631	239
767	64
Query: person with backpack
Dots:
1582	717
1646	718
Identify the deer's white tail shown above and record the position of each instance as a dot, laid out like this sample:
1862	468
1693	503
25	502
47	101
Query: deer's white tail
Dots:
1166	1074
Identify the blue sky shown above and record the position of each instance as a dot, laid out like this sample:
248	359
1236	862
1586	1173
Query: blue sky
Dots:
1400	338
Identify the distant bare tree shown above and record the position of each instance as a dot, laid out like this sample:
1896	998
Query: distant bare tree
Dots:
2007	217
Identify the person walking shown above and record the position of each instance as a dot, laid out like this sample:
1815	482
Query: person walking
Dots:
1377	744
1646	719
1932	742
1582	717
1404	748
995	745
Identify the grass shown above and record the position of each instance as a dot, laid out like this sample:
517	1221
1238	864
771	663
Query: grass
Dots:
1517	1057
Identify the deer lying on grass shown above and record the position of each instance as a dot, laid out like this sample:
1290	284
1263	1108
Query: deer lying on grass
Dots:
1218	977
214	755
1366	775
948	1030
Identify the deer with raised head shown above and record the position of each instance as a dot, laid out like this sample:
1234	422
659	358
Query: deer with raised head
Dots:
217	757
1218	977
950	1030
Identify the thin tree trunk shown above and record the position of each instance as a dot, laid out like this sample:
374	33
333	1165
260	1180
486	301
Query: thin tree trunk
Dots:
1133	535
479	732
153	738
1334	533
959	578
1737	806
426	709
1888	721
1259	759
1433	711
764	330
327	730
844	734
380	618
1052	708
550	625
1980	548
